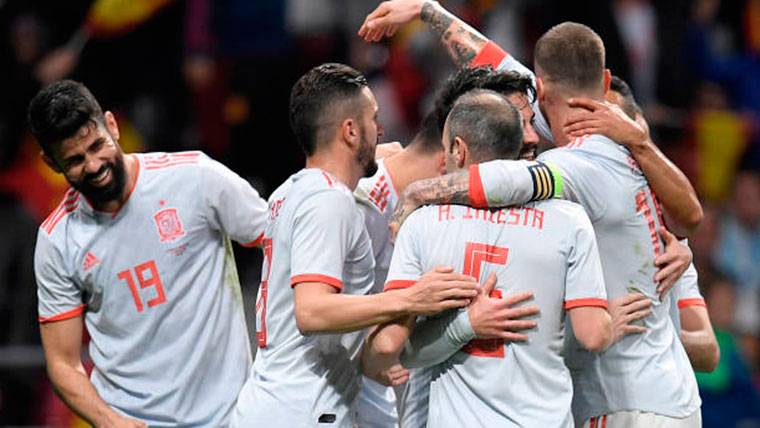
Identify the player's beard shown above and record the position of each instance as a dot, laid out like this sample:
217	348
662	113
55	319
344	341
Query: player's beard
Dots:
111	191
366	158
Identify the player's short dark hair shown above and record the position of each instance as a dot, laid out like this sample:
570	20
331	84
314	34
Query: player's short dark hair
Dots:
630	106
428	137
503	82
316	96
570	55
58	111
489	124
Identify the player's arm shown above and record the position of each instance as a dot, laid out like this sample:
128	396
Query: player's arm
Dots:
678	197
492	184
232	205
698	338
62	341
380	357
436	339
321	308
592	327
462	42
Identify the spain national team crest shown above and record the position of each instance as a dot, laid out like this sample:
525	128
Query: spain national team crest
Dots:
169	225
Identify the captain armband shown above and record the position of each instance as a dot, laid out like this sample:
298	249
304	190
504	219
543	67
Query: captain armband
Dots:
547	181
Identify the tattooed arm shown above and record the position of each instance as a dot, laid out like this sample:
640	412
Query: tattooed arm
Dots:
447	189
461	41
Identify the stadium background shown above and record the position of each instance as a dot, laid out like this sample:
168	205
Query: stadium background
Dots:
216	75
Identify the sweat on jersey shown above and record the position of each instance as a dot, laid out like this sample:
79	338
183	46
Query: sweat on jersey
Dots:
649	371
157	284
315	233
545	247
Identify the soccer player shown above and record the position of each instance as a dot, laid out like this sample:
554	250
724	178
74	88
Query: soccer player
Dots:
489	382
688	310
468	48
140	248
643	377
378	195
318	265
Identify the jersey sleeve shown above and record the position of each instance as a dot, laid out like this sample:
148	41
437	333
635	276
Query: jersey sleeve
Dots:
233	205
58	296
494	56
578	179
584	281
501	183
686	290
406	265
325	225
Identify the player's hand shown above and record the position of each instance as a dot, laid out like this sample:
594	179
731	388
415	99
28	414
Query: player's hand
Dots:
627	309
439	290
672	263
387	17
405	207
494	318
396	375
603	118
387	150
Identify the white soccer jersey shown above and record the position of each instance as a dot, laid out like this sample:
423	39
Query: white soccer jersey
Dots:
649	371
685	293
157	284
546	247
315	233
377	197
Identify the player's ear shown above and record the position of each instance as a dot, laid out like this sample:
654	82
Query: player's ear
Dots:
349	132
50	162
607	79
540	89
112	126
460	151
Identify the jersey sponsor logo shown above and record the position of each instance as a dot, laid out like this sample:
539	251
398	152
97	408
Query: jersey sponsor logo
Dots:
168	224
89	261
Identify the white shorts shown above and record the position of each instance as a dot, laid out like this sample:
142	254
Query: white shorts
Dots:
637	419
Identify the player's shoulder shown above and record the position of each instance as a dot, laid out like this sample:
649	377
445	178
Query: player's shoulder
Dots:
65	212
317	186
173	162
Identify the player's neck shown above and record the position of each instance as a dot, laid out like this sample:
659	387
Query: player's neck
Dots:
409	166
342	167
131	168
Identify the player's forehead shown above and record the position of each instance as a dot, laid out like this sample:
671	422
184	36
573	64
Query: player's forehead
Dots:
81	140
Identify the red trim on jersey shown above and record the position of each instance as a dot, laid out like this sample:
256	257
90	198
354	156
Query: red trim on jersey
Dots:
491	54
65	315
255	243
399	284
171	159
604	421
476	192
66	207
390	178
696	301
327	177
315	277
577	303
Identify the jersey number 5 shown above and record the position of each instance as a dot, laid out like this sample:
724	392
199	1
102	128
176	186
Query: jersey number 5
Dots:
153	280
474	256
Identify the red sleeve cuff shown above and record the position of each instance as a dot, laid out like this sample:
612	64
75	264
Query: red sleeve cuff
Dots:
697	301
399	284
491	54
314	277
64	316
577	303
255	243
476	192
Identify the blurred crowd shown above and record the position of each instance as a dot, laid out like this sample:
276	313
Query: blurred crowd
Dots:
216	76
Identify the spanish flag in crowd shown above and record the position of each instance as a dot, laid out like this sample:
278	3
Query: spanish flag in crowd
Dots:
110	18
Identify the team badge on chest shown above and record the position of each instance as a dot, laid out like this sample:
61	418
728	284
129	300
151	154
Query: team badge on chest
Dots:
168	224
